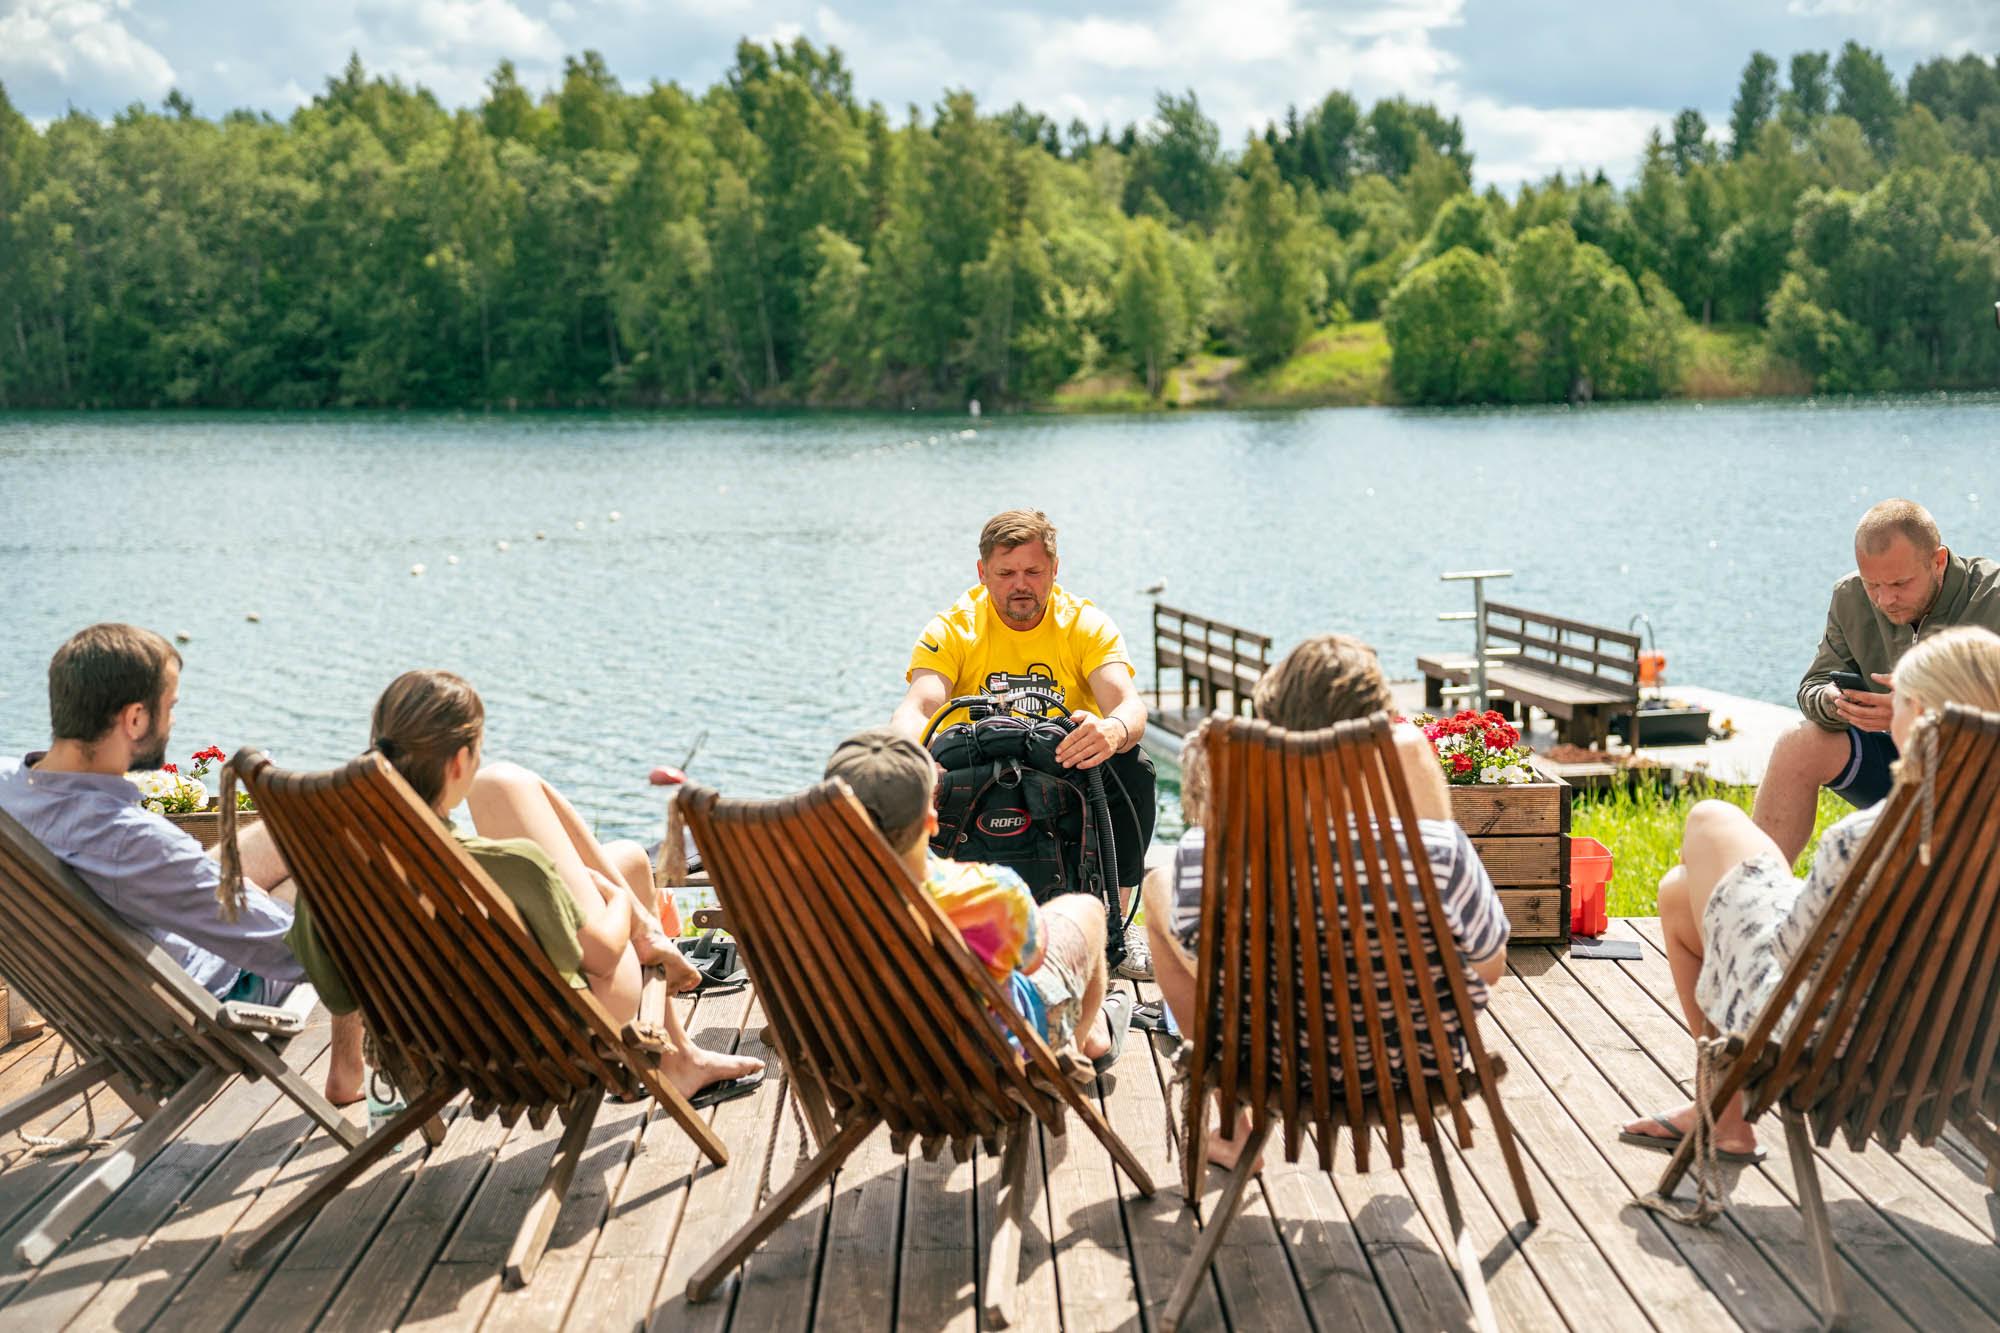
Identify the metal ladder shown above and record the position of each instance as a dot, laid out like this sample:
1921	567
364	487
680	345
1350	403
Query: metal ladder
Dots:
1481	660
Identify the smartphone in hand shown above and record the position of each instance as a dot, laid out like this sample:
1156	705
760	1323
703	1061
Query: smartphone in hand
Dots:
1853	682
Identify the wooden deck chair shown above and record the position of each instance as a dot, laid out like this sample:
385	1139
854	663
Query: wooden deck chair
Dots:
454	988
1311	839
1898	1032
133	1019
881	1013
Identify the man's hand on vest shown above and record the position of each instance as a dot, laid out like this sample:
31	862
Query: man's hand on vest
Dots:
1095	740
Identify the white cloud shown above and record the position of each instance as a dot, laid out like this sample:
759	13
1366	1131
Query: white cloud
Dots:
1950	27
77	43
1517	144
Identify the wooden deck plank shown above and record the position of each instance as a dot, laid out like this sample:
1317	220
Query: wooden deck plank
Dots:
607	1157
1577	1187
776	1286
1601	1080
1162	1230
1524	1295
864	1240
30	1184
297	1288
1958	1286
1093	1261
672	1210
376	1290
1588	1043
256	1144
1037	1303
1610	1022
938	1284
1413	1269
217	1292
57	1291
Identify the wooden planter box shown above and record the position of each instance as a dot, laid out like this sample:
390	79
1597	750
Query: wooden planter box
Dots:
1521	833
206	825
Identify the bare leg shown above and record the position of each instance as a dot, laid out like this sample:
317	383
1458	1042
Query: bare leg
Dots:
1174	974
1075	925
1719	838
345	1072
507	801
651	939
1805	759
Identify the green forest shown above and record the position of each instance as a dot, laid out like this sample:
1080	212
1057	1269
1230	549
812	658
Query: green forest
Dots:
772	241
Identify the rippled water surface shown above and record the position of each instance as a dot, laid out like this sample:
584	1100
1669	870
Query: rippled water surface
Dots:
768	574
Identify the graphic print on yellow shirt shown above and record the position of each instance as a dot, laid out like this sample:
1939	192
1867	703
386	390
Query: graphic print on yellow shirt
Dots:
971	641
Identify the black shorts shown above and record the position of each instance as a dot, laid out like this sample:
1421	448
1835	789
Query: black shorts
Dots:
1867	777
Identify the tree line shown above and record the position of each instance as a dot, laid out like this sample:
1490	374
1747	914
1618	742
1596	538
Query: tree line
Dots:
773	240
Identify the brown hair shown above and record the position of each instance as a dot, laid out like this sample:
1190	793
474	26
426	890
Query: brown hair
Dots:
1326	679
100	672
421	721
1897	518
1017	527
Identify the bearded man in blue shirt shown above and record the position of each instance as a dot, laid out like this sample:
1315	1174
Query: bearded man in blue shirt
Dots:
112	690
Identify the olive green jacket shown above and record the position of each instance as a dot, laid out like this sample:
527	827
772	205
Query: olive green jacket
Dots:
1860	638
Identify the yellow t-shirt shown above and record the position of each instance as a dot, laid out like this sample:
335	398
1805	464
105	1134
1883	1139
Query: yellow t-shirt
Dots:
971	641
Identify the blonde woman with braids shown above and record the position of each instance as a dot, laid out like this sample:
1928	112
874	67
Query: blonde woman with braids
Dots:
1327	679
592	907
1732	912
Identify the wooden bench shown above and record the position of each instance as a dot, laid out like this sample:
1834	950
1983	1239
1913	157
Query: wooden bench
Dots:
1581	675
1213	659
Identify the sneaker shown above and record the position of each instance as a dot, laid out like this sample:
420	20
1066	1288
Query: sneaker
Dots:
1137	965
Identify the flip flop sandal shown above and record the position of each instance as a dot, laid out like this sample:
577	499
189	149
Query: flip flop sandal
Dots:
727	1091
1671	1140
1118	1017
1154	1016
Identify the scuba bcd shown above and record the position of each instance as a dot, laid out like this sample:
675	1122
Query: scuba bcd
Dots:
1004	798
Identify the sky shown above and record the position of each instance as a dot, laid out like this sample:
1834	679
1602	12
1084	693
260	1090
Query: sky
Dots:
1541	85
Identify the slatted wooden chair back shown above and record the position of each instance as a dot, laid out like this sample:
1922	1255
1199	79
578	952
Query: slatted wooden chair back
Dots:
1899	1030
1317	897
97	980
1318	904
1886	1024
453	986
873	994
881	1013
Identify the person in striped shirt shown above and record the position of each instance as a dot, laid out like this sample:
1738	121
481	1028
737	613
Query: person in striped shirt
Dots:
1327	679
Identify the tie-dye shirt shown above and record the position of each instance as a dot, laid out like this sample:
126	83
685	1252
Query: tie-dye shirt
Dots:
994	911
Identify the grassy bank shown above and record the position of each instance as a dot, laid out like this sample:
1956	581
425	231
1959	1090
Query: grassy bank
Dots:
1643	831
1347	365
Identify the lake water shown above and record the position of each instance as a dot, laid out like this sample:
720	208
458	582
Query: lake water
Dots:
768	573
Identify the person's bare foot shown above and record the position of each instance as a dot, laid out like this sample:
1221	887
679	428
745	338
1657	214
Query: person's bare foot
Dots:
681	974
653	947
1226	1153
346	1073
693	1068
1732	1132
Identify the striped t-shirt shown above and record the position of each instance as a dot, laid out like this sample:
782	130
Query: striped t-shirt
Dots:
1472	911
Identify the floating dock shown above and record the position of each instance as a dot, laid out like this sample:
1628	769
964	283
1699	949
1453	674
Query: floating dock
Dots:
1738	760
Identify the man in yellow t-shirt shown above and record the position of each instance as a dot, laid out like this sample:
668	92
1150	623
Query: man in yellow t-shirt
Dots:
1018	620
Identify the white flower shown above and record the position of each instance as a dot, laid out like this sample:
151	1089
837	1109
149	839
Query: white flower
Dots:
1489	775
1514	773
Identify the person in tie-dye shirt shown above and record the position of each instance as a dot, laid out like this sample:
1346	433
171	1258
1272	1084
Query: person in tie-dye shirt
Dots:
1048	957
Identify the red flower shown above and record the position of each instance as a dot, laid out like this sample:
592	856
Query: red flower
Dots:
169	768
1493	715
1461	763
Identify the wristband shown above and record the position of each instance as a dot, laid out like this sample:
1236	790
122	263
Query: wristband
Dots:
1125	730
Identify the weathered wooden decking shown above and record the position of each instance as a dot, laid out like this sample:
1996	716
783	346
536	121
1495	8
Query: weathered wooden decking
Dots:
893	1243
